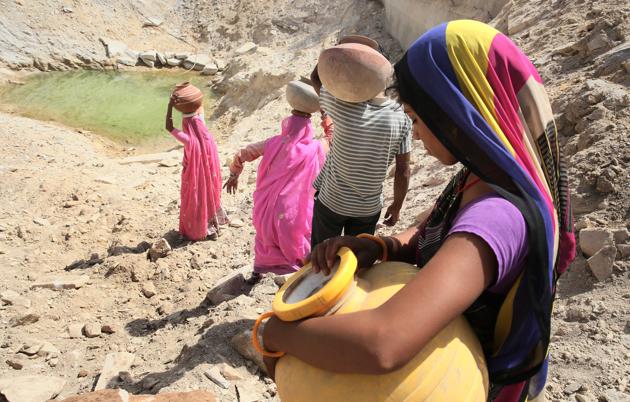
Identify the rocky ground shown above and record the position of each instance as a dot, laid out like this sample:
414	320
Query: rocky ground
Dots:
78	214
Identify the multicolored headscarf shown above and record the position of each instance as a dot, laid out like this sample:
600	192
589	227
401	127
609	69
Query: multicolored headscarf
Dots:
506	135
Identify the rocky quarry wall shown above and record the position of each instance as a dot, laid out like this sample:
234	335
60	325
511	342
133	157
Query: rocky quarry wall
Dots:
408	19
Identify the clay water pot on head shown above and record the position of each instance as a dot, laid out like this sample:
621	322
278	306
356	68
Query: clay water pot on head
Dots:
353	72
188	98
363	40
302	97
450	367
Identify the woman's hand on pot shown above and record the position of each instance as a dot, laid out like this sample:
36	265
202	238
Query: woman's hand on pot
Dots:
323	256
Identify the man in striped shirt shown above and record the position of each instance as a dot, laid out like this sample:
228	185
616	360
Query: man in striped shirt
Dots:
368	137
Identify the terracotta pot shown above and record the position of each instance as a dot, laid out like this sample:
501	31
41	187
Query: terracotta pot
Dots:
302	97
364	40
354	72
188	98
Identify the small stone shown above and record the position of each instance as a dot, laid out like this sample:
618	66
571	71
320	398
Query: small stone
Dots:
621	235
228	287
584	398
599	41
604	185
601	264
572	388
48	350
592	240
237	223
82	373
65	282
165	308
152	22
109	329
173	62
230	373
107	180
161	58
16	363
75	331
246	48
215	376
159	249
31	346
41	222
210	69
624	250
92	330
67	10
14	299
148	290
115	364
280	280
242	343
24	318
576	314
168	163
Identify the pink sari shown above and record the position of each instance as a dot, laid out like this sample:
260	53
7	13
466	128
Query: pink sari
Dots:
201	180
283	200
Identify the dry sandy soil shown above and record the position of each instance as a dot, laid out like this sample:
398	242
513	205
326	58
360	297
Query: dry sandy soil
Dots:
74	208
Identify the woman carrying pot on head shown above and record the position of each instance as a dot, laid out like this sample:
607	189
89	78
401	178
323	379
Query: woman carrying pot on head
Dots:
283	199
496	239
200	211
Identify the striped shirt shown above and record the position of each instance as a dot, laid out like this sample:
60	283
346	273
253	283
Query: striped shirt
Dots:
367	137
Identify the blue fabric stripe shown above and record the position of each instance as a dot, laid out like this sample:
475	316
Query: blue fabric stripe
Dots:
430	66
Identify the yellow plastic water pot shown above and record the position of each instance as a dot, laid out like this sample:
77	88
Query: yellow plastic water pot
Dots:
451	368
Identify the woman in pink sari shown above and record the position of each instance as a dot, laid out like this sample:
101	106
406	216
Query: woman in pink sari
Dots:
200	211
283	200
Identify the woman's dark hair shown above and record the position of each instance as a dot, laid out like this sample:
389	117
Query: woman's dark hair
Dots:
407	90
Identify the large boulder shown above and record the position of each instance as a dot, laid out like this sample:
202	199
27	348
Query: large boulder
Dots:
114	48
601	264
196	62
592	240
30	388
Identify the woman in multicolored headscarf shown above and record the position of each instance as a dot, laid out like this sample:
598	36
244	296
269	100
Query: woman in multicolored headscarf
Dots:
496	239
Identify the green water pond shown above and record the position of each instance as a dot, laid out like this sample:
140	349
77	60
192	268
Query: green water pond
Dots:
128	107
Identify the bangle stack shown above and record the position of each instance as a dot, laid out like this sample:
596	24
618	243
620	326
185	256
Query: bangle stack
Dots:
377	239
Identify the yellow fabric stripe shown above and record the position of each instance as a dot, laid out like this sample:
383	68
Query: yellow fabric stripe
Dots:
468	45
504	319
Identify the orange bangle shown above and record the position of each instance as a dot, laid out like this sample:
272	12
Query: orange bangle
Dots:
255	340
377	239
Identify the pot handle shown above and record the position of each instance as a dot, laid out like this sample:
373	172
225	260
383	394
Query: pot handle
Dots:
255	340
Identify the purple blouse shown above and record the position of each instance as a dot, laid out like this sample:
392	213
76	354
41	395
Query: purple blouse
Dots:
502	226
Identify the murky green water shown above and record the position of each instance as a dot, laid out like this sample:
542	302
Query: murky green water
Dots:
127	107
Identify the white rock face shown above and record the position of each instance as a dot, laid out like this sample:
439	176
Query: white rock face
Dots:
406	20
